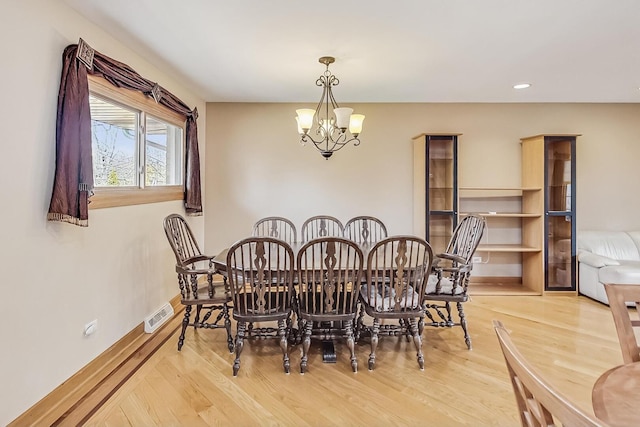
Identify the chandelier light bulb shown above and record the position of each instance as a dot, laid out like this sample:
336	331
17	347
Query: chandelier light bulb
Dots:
342	117
355	124
305	119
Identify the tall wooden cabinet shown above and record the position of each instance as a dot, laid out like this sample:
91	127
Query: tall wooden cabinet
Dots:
435	187
549	161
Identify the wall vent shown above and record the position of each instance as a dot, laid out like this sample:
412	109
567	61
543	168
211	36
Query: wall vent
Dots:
157	318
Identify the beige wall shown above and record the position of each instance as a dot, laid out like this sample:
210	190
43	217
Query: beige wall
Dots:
57	277
256	167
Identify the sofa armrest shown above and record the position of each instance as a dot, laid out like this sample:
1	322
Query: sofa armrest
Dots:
595	260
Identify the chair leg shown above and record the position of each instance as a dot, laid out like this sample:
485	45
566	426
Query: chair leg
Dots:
196	320
463	323
282	332
250	329
185	323
239	346
374	343
359	324
417	341
306	342
301	329
348	329
449	321
227	326
404	326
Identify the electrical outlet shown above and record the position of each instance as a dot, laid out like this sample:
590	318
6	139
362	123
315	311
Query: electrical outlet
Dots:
91	327
476	259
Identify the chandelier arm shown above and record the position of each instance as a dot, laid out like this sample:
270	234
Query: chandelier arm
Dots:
308	137
334	143
323	83
345	143
333	81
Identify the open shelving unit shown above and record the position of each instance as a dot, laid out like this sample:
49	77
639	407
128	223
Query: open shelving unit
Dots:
514	235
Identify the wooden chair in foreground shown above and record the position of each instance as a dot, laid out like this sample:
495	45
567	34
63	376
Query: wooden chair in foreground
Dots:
321	226
198	287
539	404
260	272
397	272
618	296
277	227
365	230
451	273
329	276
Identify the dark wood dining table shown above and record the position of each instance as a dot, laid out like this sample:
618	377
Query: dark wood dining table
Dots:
616	395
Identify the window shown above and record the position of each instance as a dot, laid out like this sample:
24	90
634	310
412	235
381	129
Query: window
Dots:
137	147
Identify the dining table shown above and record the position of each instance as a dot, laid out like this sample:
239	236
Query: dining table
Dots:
616	395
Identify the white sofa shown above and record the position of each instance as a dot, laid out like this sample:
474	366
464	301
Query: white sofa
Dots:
607	257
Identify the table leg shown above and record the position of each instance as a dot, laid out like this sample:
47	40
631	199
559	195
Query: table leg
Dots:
329	352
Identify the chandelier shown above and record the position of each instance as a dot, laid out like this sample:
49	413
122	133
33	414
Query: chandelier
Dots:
330	130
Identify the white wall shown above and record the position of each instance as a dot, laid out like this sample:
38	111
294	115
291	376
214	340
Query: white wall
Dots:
57	277
257	168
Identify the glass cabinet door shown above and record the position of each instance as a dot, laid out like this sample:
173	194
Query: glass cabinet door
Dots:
442	194
560	263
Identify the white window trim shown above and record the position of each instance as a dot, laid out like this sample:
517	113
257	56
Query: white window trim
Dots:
126	196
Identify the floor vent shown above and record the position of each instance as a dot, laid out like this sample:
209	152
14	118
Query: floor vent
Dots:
157	318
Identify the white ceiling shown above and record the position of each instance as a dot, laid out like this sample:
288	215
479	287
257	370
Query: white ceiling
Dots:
386	51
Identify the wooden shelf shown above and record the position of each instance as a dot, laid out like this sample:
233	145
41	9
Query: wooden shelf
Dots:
501	188
507	248
500	289
503	214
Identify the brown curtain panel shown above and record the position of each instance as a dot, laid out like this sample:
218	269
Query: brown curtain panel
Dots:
73	180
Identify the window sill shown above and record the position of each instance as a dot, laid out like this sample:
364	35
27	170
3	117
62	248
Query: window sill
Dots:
110	198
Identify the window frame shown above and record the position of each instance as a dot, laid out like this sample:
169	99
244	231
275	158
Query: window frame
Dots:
105	197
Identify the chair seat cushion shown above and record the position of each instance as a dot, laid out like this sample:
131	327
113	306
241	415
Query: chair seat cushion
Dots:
373	296
446	286
628	272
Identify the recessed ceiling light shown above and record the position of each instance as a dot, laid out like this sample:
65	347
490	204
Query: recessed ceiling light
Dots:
522	85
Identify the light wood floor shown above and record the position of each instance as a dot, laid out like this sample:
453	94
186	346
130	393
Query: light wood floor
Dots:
571	340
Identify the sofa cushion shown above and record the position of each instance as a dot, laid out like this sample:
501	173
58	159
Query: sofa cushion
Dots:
626	273
595	260
635	235
611	244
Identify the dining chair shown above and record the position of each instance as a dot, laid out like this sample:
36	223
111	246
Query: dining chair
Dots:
626	319
200	282
329	279
277	227
321	226
451	271
260	271
397	272
365	230
539	403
